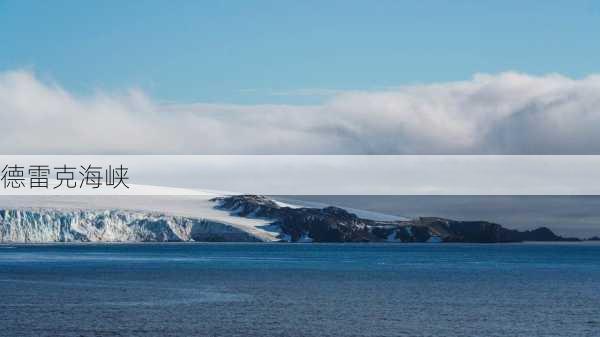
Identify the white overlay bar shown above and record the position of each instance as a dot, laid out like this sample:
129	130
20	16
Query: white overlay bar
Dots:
305	175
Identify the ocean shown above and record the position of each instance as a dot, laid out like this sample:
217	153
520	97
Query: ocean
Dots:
230	289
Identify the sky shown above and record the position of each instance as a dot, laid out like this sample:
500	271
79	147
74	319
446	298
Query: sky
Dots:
249	52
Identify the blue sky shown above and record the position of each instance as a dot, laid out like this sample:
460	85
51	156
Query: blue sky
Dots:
273	51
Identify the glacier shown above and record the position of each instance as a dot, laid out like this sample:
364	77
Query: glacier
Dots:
46	219
56	225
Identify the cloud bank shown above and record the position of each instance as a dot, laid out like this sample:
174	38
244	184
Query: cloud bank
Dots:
507	113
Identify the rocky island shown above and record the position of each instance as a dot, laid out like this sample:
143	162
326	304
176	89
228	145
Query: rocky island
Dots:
236	218
334	224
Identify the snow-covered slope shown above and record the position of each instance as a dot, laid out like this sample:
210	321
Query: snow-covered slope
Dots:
125	218
364	214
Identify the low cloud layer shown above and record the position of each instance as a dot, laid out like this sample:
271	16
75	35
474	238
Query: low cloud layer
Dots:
508	113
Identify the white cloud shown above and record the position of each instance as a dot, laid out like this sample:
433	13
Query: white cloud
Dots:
505	113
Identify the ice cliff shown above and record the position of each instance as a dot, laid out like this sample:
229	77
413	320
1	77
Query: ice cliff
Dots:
60	225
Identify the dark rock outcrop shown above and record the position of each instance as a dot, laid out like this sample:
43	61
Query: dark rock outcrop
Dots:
334	224
488	232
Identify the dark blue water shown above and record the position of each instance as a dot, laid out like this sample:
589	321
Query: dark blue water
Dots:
300	290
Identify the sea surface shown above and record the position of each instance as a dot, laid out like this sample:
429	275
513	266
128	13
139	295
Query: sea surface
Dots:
197	289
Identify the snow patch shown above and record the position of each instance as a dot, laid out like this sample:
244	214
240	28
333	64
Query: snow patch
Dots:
305	238
434	239
392	237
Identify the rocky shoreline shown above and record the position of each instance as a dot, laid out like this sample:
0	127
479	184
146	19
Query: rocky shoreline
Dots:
334	224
